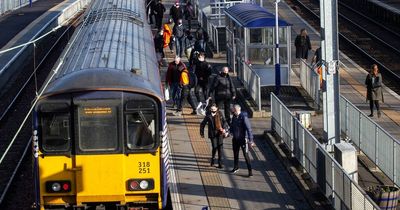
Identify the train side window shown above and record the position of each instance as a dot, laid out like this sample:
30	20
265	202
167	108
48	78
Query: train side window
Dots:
141	130
55	132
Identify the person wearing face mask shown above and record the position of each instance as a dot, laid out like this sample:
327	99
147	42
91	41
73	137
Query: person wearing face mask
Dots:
179	33
242	138
216	131
176	12
224	91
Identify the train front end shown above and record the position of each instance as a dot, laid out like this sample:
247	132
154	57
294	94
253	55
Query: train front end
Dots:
100	149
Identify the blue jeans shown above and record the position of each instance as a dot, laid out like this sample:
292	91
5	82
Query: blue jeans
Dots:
175	92
179	46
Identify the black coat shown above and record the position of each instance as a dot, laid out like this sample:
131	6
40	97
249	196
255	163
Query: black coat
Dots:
159	9
176	13
302	44
222	87
202	69
159	43
212	131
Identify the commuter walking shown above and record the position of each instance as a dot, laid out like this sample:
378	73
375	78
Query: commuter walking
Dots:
202	69
159	46
189	13
223	90
317	61
302	44
216	132
158	11
188	43
184	85
173	78
179	33
168	42
176	12
149	10
242	138
374	89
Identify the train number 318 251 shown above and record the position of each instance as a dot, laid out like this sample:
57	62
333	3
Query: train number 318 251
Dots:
144	167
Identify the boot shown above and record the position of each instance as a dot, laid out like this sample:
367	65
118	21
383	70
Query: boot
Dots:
212	162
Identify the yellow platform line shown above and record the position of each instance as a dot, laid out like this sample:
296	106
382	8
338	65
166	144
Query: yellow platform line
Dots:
212	183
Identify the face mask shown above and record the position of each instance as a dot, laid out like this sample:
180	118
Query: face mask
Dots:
213	112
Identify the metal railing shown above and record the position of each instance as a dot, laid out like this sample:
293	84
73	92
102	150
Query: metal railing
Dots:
8	5
369	137
335	183
309	80
252	83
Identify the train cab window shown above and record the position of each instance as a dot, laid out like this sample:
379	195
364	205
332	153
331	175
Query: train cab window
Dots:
55	127
98	128
55	132
141	130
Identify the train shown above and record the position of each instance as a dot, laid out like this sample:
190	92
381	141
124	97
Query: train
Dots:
99	126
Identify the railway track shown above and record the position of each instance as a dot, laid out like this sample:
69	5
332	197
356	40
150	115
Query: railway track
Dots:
361	38
15	107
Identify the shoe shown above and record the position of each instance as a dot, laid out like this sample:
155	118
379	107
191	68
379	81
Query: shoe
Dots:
194	112
379	114
371	115
234	171
177	113
212	162
220	166
250	173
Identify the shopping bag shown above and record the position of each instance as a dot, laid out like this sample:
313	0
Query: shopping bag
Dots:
166	93
202	107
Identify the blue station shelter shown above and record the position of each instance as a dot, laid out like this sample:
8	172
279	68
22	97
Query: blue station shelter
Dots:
250	33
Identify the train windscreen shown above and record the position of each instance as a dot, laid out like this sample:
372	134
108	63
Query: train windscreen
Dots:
98	128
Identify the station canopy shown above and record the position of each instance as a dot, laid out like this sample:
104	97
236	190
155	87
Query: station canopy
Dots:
253	16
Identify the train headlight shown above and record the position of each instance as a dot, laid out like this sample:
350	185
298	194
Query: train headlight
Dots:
144	185
140	184
58	186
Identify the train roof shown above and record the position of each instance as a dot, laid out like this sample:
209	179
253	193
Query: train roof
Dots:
113	49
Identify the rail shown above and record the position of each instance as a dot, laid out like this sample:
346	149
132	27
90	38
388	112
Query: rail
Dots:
252	83
310	81
370	138
335	183
8	5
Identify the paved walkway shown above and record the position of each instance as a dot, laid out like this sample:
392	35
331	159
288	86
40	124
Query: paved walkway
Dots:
201	185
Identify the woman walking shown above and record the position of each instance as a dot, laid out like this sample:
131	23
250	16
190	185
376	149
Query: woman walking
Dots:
216	132
374	89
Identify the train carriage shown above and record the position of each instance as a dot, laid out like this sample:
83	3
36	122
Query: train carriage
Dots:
100	136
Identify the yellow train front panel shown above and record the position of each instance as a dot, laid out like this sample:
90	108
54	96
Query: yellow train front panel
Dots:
102	178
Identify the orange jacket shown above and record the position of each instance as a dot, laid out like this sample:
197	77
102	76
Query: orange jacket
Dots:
167	35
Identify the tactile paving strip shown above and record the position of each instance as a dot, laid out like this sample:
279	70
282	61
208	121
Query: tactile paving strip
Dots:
212	183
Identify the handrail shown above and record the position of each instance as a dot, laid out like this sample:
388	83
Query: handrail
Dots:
324	170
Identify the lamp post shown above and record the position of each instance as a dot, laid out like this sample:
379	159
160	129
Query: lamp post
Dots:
277	63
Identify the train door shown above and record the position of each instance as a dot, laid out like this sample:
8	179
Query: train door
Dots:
99	155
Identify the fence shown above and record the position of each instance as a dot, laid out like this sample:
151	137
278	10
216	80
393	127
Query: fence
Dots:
212	18
371	139
323	169
252	83
309	80
7	5
366	135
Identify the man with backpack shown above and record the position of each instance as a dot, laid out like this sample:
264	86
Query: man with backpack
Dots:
185	84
